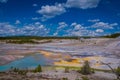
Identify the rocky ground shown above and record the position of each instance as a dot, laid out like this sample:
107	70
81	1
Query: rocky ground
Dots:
103	47
53	75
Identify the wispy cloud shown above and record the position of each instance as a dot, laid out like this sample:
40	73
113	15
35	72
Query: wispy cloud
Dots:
82	4
35	5
3	1
35	18
99	30
62	25
17	22
94	20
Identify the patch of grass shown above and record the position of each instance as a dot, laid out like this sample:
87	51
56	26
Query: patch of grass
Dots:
64	78
102	70
79	68
70	67
84	78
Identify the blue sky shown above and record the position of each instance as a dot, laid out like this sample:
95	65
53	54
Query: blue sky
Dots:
59	17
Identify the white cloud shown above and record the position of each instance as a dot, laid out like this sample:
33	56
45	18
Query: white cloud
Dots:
77	26
94	20
37	23
99	30
7	29
104	25
73	29
76	29
83	32
35	5
74	24
35	18
114	24
55	34
83	4
17	22
35	29
42	27
3	1
60	28
62	25
48	12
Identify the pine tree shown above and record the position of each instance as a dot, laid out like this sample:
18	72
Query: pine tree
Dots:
86	68
66	69
118	72
38	68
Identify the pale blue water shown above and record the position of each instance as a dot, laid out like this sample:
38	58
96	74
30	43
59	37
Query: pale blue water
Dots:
27	62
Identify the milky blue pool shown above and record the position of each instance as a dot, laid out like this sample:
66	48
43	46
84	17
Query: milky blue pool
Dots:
27	62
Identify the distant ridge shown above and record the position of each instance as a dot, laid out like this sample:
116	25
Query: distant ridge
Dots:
115	35
38	37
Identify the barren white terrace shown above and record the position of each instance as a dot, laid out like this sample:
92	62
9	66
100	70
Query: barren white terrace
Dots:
108	50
